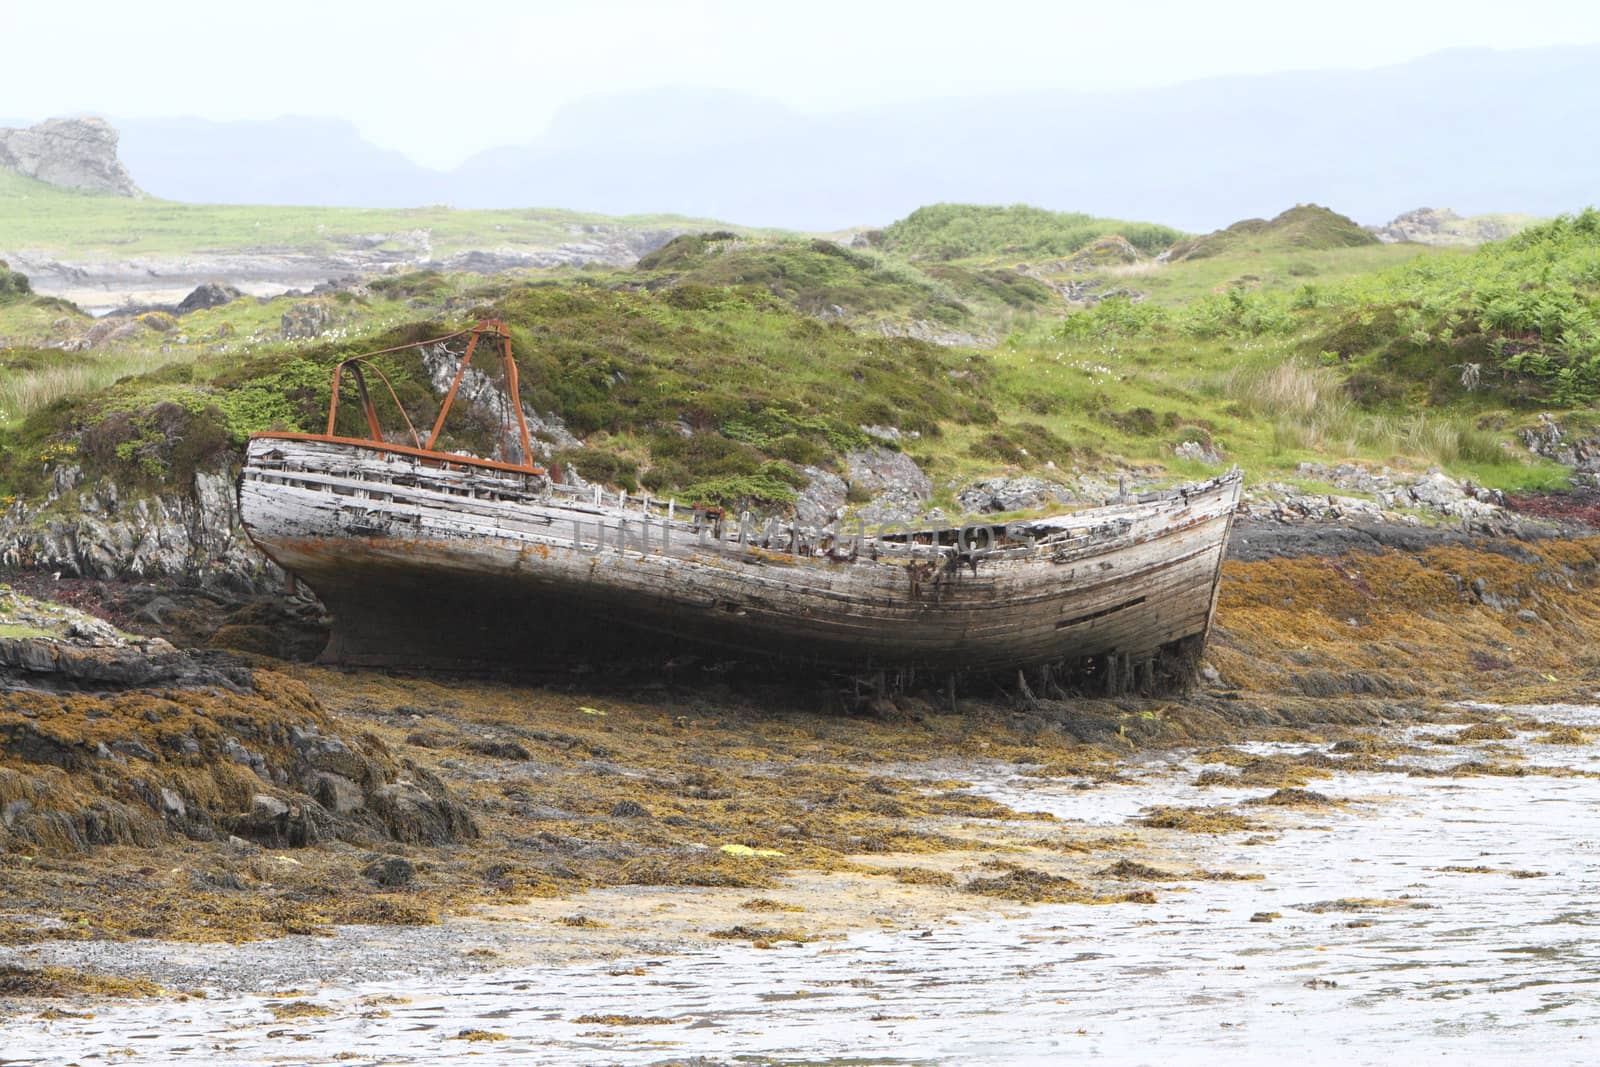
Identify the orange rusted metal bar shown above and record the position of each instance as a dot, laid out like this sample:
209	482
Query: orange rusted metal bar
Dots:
412	430
333	405
355	363
366	402
450	397
514	393
443	458
426	451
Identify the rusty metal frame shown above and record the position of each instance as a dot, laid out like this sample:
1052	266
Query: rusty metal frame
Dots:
488	327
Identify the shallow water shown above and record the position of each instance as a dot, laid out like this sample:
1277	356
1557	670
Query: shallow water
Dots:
1476	967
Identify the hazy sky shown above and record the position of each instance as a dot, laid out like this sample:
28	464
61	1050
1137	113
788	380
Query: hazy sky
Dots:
443	78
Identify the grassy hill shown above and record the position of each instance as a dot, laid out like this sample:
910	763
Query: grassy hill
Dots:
724	364
859	285
1304	227
960	231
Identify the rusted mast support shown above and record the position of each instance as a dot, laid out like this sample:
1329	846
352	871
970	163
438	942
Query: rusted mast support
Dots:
333	405
366	399
514	391
449	398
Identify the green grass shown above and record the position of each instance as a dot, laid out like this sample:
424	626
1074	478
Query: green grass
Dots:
757	383
962	231
19	631
719	368
861	286
1302	228
1177	284
34	215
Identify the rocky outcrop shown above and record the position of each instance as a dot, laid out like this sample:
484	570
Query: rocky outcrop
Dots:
1385	496
1441	226
258	762
898	488
1011	494
209	295
190	536
305	320
1571	447
48	646
822	500
71	153
933	333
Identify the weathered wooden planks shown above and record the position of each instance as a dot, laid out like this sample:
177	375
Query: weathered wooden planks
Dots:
402	549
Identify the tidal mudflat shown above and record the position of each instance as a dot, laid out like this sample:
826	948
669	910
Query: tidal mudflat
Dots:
1423	894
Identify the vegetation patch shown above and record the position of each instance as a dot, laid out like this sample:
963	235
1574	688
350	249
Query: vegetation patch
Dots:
1303	227
958	231
1197	820
55	982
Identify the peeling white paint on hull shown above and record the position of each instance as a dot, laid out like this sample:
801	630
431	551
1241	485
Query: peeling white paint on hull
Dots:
421	562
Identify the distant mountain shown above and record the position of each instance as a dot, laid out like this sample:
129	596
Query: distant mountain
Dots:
1480	130
276	161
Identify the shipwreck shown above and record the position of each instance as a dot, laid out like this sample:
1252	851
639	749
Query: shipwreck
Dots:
431	558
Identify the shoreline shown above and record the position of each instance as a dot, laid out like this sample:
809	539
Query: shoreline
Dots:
611	798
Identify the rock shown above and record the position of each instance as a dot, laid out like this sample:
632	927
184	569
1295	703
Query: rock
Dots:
1200	453
1011	494
933	333
172	803
506	750
71	153
1549	440
265	806
336	793
103	329
898	486
328	753
127	746
822	499
1489	598
412	815
390	871
1433	491
208	295
1441	226
628	809
1113	249
72	651
305	320
190	535
1526	615
481	390
278	823
123	330
155	609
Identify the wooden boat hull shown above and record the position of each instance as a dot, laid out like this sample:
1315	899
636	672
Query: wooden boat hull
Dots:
436	564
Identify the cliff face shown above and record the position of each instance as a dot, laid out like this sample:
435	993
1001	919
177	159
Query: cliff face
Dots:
71	153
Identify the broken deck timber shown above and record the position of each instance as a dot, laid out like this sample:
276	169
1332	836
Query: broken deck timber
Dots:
427	558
